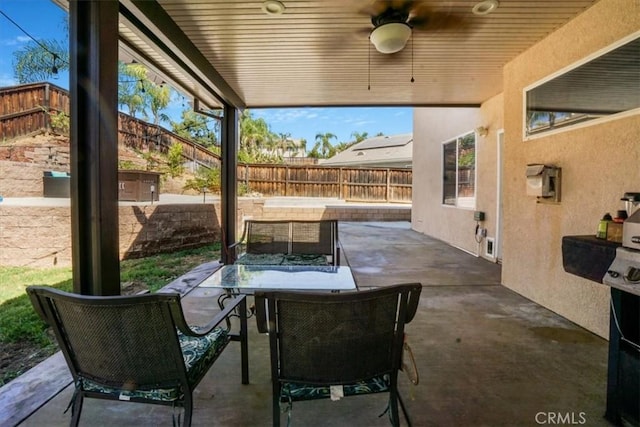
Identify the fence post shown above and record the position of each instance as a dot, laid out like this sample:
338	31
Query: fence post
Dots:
388	192
340	184
194	161
286	180
47	107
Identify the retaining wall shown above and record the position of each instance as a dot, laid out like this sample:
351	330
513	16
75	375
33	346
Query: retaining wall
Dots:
40	236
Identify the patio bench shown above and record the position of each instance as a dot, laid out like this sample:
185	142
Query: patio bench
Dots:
288	242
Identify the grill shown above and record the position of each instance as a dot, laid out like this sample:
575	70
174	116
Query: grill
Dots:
623	382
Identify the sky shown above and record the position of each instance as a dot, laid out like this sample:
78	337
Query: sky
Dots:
43	19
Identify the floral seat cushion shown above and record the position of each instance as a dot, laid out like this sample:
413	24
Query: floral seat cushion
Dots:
260	259
291	392
198	354
282	259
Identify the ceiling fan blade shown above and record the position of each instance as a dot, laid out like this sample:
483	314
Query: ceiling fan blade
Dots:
436	21
375	8
379	7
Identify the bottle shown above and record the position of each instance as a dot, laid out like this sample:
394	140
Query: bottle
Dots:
603	225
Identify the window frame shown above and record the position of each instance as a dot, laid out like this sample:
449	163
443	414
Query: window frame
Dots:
461	202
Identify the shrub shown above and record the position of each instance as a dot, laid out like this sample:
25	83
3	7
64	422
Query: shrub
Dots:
205	180
175	160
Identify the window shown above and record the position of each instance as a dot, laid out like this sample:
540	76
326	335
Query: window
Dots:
459	171
600	86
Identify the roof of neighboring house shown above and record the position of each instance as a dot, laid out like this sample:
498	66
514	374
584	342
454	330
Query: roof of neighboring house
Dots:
384	151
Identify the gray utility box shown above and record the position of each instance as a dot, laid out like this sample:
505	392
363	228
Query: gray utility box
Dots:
138	186
56	184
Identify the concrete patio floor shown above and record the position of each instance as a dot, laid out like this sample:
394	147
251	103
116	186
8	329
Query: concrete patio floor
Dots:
486	356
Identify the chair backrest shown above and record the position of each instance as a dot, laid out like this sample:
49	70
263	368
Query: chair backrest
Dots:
314	237
291	237
330	339
267	237
116	341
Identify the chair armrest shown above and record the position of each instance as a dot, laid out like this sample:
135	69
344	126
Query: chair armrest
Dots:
261	312
239	300
235	245
243	238
413	300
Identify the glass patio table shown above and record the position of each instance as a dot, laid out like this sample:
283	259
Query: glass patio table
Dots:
246	279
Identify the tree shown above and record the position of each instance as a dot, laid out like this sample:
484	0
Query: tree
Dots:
198	128
359	136
256	140
157	99
131	87
323	145
41	60
285	144
139	94
341	146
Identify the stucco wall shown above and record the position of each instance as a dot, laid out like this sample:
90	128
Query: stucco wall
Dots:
432	127
599	163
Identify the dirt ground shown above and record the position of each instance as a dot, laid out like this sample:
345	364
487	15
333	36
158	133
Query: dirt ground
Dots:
18	358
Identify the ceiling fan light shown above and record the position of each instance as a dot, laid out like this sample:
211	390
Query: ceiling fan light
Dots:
391	37
273	7
485	7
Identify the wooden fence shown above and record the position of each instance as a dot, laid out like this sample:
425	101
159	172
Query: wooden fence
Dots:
141	135
351	184
25	109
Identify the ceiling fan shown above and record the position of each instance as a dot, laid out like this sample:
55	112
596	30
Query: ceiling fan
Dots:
395	20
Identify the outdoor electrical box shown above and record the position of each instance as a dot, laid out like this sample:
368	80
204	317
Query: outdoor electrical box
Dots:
478	216
543	181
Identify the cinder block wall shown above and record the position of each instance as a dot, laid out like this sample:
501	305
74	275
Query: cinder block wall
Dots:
41	236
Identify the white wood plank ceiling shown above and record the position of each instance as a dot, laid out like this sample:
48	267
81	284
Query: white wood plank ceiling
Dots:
317	52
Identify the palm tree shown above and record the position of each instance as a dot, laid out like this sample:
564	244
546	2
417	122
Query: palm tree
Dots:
323	144
255	134
359	136
284	143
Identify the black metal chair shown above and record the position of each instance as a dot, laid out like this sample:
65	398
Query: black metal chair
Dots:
136	348
350	340
288	242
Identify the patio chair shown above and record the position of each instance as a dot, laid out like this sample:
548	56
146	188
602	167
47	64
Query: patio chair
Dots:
332	345
136	348
288	242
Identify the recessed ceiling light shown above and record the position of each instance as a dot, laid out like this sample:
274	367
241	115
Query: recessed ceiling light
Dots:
273	7
485	7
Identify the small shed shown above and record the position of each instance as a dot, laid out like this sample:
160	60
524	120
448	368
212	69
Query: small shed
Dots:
138	186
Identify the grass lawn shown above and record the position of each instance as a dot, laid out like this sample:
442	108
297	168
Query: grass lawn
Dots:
24	336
